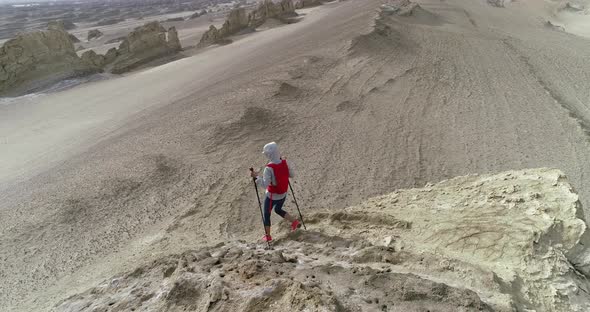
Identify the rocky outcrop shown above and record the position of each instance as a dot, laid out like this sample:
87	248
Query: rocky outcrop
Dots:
498	3
115	40
307	3
475	243
400	7
210	37
73	38
94	59
173	40
94	33
141	39
239	277
521	234
37	59
235	22
238	20
109	21
198	14
61	24
110	56
144	44
268	9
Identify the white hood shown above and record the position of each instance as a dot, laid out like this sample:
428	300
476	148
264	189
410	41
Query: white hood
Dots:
271	151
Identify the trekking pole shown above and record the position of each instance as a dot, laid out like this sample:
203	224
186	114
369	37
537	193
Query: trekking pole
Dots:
259	204
297	205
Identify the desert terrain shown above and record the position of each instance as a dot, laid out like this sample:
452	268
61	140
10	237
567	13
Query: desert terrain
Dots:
114	19
106	184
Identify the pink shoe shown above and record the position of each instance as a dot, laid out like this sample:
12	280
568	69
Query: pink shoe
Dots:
267	238
295	225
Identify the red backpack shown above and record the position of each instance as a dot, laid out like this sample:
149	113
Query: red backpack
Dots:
281	172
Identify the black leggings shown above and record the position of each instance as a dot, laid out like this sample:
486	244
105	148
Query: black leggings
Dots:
278	207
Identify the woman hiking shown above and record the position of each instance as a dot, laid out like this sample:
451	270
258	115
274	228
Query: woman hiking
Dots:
275	179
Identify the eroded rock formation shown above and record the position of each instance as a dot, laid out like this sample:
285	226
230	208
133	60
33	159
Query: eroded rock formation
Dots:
60	24
211	36
238	20
37	59
74	39
173	40
93	34
111	55
93	58
198	14
498	3
269	9
144	44
307	3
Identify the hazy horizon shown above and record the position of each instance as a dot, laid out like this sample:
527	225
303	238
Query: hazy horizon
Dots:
35	1
38	1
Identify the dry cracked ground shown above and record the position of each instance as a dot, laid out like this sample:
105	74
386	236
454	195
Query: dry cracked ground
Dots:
112	175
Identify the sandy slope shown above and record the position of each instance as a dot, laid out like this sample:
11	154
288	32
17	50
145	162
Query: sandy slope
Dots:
152	163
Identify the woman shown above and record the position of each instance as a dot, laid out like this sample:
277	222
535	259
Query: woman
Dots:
275	179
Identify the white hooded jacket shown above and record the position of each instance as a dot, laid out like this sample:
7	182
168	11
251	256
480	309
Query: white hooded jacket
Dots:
271	151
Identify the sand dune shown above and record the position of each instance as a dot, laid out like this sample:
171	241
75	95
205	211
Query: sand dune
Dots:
101	177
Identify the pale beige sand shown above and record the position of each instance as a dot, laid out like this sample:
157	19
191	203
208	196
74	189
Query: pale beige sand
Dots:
101	177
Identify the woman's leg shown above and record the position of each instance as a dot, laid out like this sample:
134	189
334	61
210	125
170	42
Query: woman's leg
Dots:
278	207
267	210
